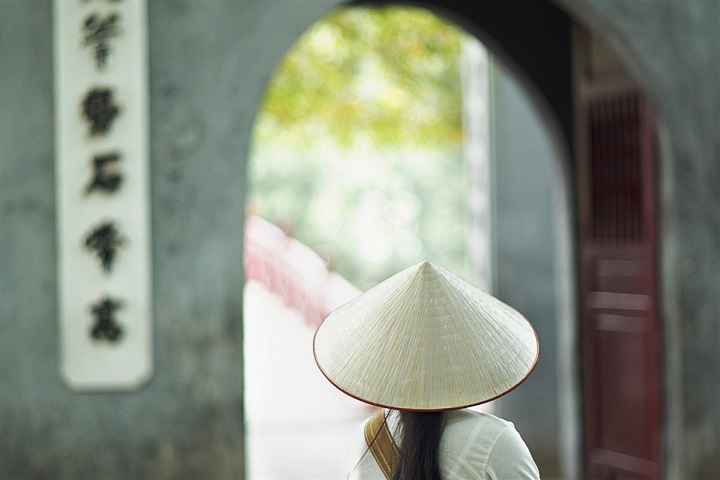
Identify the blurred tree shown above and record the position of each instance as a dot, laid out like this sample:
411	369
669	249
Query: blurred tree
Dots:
389	75
359	143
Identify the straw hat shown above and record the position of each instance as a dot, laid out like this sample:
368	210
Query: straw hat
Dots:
425	339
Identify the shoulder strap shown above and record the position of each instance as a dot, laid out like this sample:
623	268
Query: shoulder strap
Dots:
381	444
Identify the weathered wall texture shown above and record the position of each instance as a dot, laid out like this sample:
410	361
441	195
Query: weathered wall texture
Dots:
209	61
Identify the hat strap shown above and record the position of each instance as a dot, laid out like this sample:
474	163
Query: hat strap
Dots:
381	444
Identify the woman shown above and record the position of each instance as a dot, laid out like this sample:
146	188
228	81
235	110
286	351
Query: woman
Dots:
425	345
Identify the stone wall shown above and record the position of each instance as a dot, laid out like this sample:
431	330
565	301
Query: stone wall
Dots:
209	62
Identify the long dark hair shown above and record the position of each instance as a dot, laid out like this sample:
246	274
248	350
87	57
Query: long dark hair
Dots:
419	452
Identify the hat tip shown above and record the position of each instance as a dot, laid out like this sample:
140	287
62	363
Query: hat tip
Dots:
426	268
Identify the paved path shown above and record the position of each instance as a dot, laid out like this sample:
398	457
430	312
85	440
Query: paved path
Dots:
298	424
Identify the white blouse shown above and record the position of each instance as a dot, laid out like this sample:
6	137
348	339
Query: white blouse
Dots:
474	445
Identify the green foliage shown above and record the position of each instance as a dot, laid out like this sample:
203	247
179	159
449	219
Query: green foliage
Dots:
391	73
358	145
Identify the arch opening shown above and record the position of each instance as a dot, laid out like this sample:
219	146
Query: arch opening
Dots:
378	185
551	129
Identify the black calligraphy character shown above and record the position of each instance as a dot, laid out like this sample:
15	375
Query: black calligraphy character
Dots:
100	110
97	32
105	241
105	325
106	178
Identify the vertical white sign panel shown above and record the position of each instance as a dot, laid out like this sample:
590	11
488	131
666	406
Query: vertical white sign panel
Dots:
102	192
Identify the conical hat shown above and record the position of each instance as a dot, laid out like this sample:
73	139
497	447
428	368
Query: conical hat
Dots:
425	339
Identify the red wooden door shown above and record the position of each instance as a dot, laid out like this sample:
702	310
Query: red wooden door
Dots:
620	331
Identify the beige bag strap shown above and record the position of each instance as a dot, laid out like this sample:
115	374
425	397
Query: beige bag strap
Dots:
381	444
